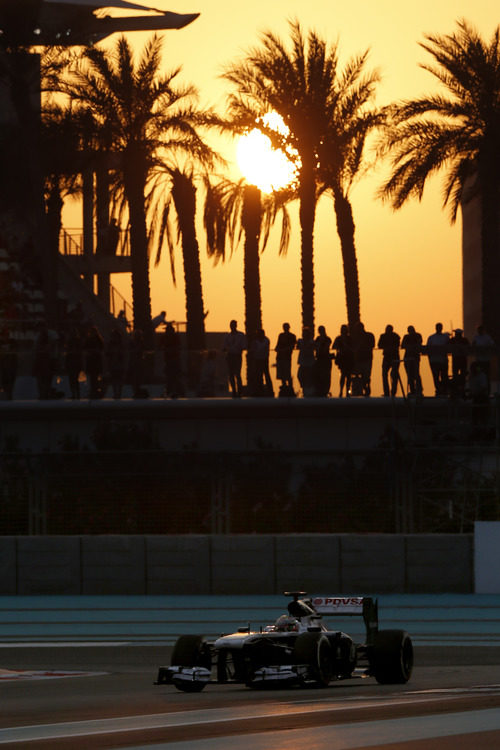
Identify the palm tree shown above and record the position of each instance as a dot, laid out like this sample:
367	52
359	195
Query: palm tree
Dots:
62	162
460	132
143	114
175	187
303	86
238	210
348	123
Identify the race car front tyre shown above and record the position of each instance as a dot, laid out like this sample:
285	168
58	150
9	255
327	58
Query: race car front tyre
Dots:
191	651
392	657
315	651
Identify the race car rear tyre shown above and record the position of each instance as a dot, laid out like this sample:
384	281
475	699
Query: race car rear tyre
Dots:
392	657
314	650
191	651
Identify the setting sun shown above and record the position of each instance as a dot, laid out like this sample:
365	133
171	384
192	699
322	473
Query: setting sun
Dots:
261	164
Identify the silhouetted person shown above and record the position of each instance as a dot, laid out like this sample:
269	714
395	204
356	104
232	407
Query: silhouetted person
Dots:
73	357
306	361
172	359
344	358
284	349
234	345
459	348
43	363
77	319
260	358
158	320
115	354
483	349
208	374
323	366
8	366
121	318
136	363
94	362
108	240
389	343
412	346
363	344
479	390
437	352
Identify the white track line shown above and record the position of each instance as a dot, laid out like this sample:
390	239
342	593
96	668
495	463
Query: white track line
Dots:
184	718
350	736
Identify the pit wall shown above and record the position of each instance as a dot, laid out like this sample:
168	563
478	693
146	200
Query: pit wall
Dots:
236	564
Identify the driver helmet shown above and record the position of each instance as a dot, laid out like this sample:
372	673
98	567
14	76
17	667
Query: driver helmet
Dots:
286	623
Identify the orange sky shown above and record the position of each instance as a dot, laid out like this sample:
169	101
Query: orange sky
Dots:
409	261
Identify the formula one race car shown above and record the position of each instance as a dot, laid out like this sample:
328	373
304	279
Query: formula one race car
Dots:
297	650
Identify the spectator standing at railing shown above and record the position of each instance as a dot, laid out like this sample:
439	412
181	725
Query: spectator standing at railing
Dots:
136	363
389	343
284	348
483	349
363	345
260	358
437	351
323	366
115	354
344	358
459	348
77	319
73	360
412	347
306	362
172	359
94	362
235	343
121	319
208	374
8	365
44	362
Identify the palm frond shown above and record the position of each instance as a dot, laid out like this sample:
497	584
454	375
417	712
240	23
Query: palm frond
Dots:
457	130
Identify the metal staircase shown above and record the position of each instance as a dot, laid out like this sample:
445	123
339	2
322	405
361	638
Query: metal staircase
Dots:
76	272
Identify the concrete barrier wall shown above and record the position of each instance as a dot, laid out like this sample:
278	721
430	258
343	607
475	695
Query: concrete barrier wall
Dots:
237	564
215	425
47	564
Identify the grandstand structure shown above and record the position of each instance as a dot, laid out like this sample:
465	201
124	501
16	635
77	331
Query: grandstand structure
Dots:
36	281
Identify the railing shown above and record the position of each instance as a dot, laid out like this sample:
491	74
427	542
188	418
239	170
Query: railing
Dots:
71	242
117	303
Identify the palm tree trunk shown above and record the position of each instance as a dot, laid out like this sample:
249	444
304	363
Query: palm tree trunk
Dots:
134	184
307	212
490	249
54	206
345	230
24	89
184	195
251	218
102	224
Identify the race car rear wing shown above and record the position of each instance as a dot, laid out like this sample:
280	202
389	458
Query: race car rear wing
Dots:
350	605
